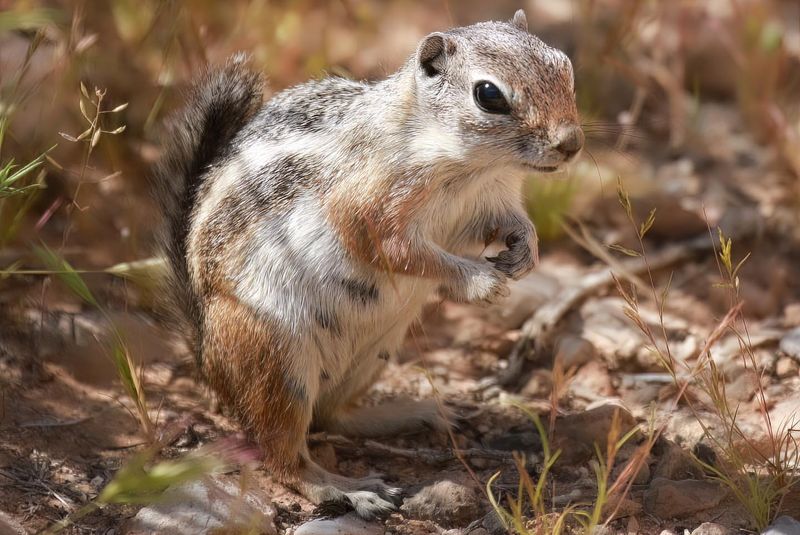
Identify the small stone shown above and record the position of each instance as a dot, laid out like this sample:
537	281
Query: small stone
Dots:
9	526
539	385
624	455
633	526
574	351
492	523
790	343
527	294
667	532
676	464
743	387
642	477
621	508
710	528
591	426
592	382
783	525
672	499
349	524
446	502
206	506
786	367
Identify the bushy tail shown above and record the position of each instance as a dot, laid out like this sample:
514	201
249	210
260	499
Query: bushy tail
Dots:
220	103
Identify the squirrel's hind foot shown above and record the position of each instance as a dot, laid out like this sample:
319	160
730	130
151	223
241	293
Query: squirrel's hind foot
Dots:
369	497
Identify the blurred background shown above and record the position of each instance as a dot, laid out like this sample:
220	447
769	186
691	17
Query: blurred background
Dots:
672	93
693	106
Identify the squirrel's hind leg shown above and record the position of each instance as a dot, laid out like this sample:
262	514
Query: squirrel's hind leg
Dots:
245	360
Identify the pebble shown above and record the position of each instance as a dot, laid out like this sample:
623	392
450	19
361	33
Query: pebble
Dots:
673	499
676	464
9	526
574	351
624	507
786	367
349	524
203	507
527	295
783	525
710	528
790	343
591	426
449	503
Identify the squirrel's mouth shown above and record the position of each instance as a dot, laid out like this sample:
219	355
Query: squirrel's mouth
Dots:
542	168
545	168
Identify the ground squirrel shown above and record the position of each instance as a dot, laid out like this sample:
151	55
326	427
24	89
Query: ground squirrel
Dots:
305	234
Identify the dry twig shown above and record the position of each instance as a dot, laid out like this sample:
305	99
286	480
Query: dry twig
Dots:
537	332
372	448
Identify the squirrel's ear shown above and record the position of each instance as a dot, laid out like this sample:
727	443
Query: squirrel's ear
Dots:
433	51
520	21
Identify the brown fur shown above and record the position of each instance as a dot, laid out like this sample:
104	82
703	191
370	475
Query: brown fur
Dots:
242	361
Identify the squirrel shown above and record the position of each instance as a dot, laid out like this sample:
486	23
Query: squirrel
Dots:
304	234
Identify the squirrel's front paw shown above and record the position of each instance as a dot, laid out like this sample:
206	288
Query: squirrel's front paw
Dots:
521	255
485	286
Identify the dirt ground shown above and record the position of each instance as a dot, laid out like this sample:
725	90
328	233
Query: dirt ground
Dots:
67	425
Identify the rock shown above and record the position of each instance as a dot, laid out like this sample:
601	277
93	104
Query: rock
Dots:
667	532
591	426
672	499
539	385
592	382
492	524
786	367
743	387
574	351
9	526
790	343
446	502
623	507
710	528
209	505
349	524
488	525
643	476
704	454
783	525
676	464
681	223
633	526
609	331
527	294
624	455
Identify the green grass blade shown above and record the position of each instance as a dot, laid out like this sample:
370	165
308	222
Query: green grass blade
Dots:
65	273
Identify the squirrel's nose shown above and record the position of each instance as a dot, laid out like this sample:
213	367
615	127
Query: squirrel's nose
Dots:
569	140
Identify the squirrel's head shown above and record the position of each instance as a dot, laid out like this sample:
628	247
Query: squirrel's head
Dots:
498	96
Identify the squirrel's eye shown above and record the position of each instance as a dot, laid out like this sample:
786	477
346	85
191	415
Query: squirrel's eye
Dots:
490	99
